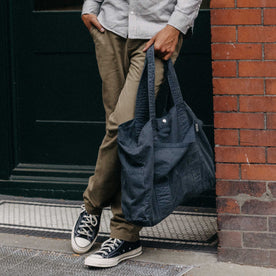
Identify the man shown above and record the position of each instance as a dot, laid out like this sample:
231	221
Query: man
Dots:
122	31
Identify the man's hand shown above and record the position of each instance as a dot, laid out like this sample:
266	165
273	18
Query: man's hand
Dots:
91	19
164	41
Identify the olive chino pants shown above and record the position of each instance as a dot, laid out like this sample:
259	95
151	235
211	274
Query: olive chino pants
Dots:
120	62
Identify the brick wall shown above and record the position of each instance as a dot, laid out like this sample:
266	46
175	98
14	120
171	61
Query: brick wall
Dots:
244	81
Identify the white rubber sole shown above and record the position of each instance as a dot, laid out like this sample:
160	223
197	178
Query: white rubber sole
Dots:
76	248
101	262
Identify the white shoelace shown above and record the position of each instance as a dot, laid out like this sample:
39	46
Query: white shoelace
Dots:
86	222
108	246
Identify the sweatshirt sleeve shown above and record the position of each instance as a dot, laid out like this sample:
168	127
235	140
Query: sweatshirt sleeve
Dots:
184	14
91	6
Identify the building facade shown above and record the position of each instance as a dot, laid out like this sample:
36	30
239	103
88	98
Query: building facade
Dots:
52	120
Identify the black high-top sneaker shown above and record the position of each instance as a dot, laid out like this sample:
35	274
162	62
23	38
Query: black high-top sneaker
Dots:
85	231
112	252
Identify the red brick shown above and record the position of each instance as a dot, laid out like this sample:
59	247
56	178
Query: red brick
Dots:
258	172
256	34
238	86
257	207
223	34
227	171
271	155
270	16
226	137
258	137
225	103
229	239
259	240
239	120
272	188
272	224
240	154
227	205
236	17
244	256
237	51
257	104
234	188
270	51
241	222
224	68
255	3
271	121
222	4
271	86
257	68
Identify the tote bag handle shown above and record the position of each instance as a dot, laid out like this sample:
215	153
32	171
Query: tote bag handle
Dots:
145	101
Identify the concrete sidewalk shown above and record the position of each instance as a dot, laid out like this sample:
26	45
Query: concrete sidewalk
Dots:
196	263
35	240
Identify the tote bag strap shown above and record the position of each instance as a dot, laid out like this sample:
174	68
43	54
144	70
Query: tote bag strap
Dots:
175	90
145	101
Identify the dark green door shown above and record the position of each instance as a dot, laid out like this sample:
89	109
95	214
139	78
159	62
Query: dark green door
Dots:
59	118
57	107
59	111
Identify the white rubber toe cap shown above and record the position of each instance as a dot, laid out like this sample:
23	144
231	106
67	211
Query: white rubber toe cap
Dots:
81	242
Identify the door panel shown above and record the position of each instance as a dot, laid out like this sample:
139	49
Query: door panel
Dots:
61	118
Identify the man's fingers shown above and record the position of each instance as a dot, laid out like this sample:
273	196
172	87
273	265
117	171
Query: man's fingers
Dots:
148	44
168	53
167	57
97	24
91	19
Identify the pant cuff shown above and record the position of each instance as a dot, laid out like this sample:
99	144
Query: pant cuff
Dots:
125	236
92	210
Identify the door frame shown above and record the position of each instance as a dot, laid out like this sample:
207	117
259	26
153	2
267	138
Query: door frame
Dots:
6	82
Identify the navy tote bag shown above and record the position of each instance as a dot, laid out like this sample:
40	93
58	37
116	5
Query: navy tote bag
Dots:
164	160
